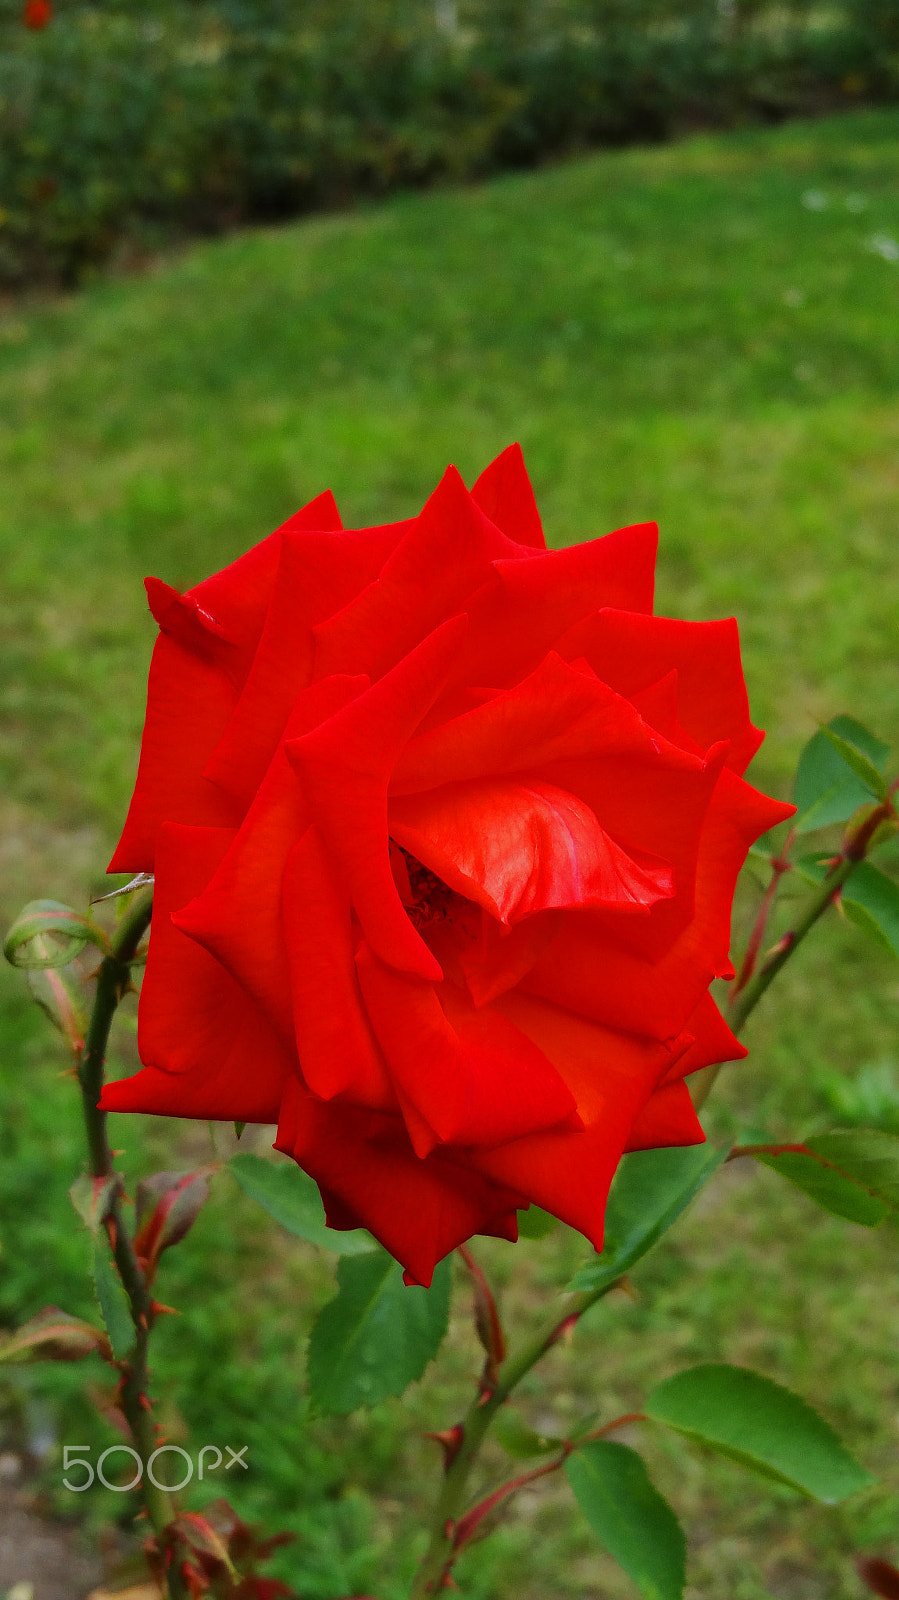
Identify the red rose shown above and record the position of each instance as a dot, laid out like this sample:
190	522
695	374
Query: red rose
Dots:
445	829
37	13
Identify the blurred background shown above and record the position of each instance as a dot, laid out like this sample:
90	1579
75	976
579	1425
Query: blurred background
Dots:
239	264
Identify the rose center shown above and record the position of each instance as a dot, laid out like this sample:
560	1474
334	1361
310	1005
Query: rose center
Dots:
428	900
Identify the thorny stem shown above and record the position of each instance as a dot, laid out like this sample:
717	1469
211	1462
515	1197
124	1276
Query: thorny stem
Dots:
749	988
779	865
434	1572
442	1550
113	978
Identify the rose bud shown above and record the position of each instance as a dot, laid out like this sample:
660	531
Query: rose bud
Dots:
445	828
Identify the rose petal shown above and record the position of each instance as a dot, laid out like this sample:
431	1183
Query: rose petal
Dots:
238	916
338	1052
526	606
555	714
521	846
319	572
611	1075
658	995
630	652
418	1210
196	676
345	766
712	1039
668	1118
504	494
208	1049
443	558
472	1077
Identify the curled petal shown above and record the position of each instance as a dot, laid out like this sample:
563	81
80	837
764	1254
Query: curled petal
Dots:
518	846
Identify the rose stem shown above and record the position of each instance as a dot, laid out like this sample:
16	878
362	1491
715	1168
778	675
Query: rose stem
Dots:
440	1554
112	979
745	999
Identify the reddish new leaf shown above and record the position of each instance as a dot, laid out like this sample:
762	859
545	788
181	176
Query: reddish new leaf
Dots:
168	1205
54	1336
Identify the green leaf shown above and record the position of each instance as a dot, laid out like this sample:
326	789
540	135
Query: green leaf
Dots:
48	934
517	1439
870	1156
831	1190
828	789
536	1224
94	1198
744	1416
651	1189
869	898
859	762
377	1335
290	1196
112	1300
630	1517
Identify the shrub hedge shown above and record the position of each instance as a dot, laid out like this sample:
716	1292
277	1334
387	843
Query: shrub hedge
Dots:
125	123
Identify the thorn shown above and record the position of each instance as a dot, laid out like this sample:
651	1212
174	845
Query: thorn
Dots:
144	1404
142	1319
158	1308
450	1441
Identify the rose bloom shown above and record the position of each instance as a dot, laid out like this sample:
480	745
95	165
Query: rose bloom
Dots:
445	829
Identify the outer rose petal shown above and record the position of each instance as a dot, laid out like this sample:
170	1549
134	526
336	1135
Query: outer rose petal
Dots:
442	560
189	700
504	494
526	606
208	1049
318	574
237	918
200	661
419	1210
668	1118
611	1076
713	1041
629	652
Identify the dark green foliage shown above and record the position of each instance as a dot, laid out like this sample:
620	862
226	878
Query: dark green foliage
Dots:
122	125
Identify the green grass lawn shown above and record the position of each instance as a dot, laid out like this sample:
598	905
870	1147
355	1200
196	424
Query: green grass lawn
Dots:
707	334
